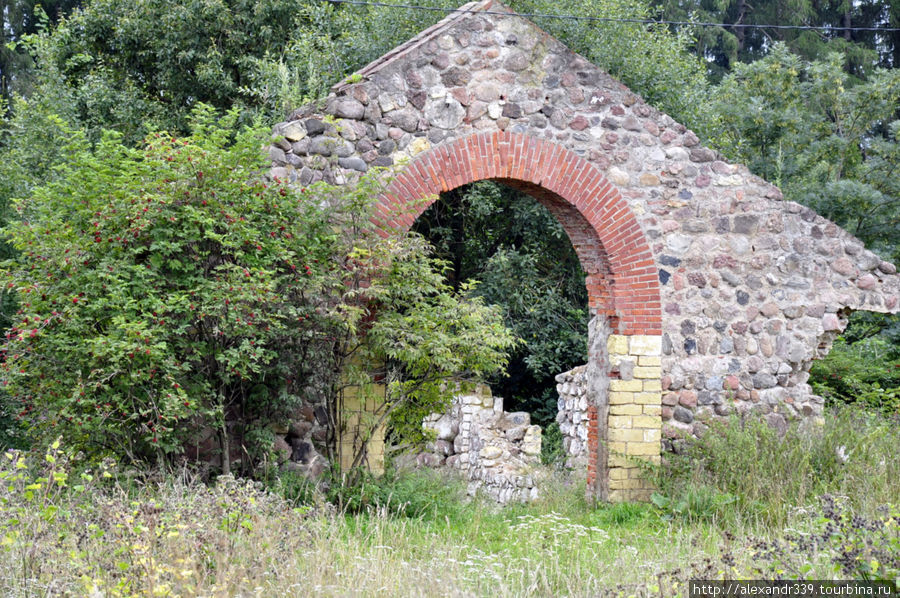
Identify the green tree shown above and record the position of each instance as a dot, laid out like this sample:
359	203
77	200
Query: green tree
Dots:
169	288
875	13
18	19
826	141
830	143
744	37
132	65
520	259
129	64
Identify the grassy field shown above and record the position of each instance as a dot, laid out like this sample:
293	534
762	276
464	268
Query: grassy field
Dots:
743	503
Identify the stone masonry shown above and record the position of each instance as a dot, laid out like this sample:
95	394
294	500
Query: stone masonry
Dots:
495	450
572	416
717	292
634	412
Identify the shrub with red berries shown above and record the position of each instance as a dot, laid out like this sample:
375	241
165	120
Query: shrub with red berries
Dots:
172	288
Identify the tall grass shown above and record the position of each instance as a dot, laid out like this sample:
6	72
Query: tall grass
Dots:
63	534
748	473
66	531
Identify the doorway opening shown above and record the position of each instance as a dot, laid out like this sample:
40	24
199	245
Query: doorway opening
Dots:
520	258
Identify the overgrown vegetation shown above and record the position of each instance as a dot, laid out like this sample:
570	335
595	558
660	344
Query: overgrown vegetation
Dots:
160	286
814	115
413	534
848	28
169	290
744	473
520	259
863	366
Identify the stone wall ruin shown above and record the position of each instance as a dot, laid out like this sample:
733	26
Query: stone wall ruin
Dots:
718	294
497	452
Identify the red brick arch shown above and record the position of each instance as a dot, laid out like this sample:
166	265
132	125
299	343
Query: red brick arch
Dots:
622	278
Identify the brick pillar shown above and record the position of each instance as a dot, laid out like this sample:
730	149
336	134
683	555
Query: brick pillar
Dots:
635	410
359	410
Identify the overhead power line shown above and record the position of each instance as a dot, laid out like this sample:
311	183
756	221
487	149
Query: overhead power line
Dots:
613	19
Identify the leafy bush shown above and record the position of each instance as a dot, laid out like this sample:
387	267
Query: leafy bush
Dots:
702	503
155	291
865	373
169	290
138	271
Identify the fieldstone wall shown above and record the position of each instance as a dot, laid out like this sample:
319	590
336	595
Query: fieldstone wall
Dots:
740	289
299	445
496	451
572	415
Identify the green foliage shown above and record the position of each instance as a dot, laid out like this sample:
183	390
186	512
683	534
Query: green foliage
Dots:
723	47
852	546
744	471
19	19
696	504
865	373
523	262
552	451
130	66
827	142
169	287
423	494
295	488
154	291
36	489
130	63
425	333
25	134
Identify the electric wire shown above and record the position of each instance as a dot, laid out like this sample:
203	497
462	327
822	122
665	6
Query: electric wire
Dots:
612	19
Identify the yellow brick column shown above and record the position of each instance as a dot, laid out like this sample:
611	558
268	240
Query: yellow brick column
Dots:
635	410
361	408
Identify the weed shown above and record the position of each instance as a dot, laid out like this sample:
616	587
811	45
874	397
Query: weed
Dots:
744	471
552	451
66	530
852	546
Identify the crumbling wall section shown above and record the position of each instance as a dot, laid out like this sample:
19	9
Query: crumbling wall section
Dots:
498	452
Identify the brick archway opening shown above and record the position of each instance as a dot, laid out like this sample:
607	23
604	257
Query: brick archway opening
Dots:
621	278
623	282
522	258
